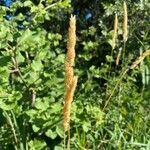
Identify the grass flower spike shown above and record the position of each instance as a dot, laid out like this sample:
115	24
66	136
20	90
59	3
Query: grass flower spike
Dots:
115	31
70	79
125	23
140	59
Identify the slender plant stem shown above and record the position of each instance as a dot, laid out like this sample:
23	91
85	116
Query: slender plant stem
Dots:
68	146
111	61
64	140
117	84
18	131
124	51
11	125
15	63
52	5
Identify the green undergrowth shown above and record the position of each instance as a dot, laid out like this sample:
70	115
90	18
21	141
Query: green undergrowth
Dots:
32	77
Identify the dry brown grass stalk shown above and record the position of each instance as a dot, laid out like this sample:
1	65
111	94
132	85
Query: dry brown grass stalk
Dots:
70	79
140	59
115	32
125	22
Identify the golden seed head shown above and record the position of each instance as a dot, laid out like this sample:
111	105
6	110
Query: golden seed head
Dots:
67	106
115	31
71	41
70	79
140	59
125	22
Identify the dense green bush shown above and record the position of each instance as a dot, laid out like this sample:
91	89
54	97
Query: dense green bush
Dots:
32	53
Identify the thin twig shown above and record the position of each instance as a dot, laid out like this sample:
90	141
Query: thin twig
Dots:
16	66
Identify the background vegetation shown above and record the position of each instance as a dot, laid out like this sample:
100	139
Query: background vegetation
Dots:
33	37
